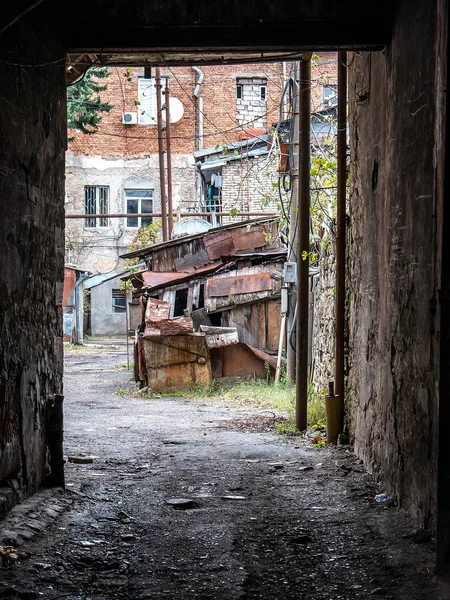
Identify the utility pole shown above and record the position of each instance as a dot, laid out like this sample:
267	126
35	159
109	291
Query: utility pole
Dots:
292	252
303	220
169	161
162	181
340	231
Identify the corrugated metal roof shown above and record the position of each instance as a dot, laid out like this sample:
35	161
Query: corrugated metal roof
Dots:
155	247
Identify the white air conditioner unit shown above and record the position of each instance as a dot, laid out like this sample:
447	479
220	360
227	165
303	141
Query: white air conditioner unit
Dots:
129	118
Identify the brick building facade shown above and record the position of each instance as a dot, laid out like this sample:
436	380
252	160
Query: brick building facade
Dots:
116	170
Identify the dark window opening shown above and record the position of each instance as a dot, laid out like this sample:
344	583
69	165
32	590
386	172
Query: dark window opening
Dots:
119	301
263	92
216	319
180	302
201	296
239	92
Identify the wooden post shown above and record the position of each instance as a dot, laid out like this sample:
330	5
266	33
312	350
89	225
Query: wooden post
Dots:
301	382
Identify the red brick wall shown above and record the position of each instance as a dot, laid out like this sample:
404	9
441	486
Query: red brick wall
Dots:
218	91
219	107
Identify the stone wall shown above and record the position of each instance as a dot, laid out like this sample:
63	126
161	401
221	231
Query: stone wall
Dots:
32	144
323	335
395	105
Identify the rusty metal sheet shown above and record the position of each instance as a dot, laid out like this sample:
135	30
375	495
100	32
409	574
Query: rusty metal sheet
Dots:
153	278
246	239
219	244
176	363
241	284
190	262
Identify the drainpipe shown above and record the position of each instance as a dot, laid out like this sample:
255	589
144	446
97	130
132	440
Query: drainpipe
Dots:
78	327
200	123
199	80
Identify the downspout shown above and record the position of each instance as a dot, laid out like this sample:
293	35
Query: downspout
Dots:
200	124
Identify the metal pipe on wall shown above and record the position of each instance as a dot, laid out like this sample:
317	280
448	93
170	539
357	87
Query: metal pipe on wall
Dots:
340	231
169	163
303	219
293	210
162	181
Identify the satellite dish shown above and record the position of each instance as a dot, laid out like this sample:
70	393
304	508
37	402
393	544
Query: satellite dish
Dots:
176	110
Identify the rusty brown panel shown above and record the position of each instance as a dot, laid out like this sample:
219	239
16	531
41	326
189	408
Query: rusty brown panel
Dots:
241	361
219	244
273	324
176	363
190	262
243	284
259	310
216	362
244	239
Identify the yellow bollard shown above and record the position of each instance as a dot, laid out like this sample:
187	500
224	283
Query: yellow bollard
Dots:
333	415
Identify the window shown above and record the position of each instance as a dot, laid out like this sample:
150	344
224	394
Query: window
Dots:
138	202
329	94
262	92
119	301
147	100
239	92
181	297
96	202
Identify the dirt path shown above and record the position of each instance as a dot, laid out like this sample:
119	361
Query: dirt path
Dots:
310	533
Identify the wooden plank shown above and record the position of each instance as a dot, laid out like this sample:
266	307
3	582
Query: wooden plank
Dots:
226	286
273	324
217	337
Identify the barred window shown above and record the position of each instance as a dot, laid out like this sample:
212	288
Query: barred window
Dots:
96	202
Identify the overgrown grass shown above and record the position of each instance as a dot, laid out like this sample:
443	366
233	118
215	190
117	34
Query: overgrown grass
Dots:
260	394
256	393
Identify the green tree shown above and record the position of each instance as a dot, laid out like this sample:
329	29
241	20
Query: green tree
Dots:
84	105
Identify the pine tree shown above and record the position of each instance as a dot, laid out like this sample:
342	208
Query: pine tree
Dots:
84	105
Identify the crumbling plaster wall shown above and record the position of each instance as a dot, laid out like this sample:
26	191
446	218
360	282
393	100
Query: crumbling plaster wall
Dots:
395	105
97	249
32	144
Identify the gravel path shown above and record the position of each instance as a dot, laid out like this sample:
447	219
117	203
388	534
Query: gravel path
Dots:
298	523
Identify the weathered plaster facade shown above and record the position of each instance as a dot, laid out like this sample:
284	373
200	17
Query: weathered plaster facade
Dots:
97	249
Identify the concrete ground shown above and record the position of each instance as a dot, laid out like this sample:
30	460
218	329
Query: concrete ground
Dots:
268	518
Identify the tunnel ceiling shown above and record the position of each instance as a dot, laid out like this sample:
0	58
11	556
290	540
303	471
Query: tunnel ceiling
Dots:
178	32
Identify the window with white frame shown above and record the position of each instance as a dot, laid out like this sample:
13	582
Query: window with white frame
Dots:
138	202
330	95
119	301
147	100
96	202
